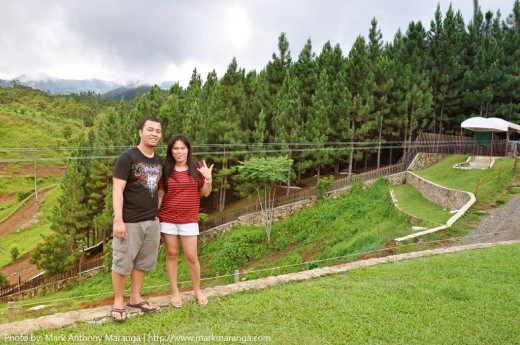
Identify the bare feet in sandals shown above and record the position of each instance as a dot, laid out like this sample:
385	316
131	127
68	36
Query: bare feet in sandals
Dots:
144	306
176	300
202	299
118	314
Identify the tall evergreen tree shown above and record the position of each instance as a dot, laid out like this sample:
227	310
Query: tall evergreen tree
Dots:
226	105
288	124
107	137
512	64
317	126
361	86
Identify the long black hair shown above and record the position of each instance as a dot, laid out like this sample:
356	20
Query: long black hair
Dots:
169	161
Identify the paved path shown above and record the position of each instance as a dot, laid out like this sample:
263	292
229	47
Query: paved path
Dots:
501	224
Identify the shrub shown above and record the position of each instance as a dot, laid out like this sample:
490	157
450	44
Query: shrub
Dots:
3	280
22	195
323	185
15	252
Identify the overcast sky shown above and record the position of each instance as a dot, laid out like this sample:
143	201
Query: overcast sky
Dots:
157	40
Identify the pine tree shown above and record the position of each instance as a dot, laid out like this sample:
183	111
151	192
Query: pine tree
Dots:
317	126
362	86
107	137
512	64
226	105
288	124
341	113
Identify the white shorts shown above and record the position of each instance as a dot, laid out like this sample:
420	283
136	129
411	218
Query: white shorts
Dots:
189	229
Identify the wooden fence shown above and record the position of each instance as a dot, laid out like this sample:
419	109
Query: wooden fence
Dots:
40	280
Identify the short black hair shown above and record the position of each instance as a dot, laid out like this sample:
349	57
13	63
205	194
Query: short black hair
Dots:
153	119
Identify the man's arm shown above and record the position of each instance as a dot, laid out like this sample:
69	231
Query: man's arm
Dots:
117	201
160	194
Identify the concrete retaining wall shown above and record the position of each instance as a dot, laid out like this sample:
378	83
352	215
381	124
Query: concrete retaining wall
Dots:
445	197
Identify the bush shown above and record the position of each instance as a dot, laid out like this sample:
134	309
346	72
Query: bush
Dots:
323	185
15	252
55	254
3	280
22	195
203	218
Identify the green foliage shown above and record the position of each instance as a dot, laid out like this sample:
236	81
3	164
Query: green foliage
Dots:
54	246
22	195
203	217
323	186
14	251
266	171
107	256
4	282
241	246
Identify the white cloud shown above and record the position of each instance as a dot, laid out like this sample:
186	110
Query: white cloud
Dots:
161	40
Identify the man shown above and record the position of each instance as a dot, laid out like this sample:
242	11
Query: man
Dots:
136	227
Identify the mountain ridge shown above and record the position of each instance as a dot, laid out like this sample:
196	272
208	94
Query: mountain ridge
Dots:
59	86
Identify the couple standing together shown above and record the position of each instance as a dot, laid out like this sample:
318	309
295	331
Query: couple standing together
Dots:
149	199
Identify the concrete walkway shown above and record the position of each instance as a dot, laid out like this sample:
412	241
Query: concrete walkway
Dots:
102	314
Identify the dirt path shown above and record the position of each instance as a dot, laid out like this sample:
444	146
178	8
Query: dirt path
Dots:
23	214
21	270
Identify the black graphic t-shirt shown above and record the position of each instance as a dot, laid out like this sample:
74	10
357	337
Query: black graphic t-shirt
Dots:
142	175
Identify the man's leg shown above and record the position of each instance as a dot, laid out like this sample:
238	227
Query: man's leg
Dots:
118	283
136	283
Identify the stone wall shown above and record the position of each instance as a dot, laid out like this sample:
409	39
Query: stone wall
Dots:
423	160
397	179
256	218
447	198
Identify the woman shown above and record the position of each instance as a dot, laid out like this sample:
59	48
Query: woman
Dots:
182	183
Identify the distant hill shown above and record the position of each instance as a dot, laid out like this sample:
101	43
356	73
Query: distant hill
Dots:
126	93
57	86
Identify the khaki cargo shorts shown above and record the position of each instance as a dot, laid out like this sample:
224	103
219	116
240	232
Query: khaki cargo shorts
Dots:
139	249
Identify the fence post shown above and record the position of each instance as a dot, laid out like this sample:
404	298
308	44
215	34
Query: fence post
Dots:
11	312
476	191
237	275
499	173
514	169
420	244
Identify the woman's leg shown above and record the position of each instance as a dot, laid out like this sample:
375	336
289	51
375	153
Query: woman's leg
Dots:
171	244
189	246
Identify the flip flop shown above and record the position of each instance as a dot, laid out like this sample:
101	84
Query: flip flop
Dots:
176	305
140	306
120	311
203	301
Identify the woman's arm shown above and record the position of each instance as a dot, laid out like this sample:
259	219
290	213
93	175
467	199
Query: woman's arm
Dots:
207	173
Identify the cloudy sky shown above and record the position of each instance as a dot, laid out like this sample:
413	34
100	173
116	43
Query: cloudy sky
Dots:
158	40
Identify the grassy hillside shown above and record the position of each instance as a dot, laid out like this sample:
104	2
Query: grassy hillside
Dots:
30	233
333	230
32	118
464	298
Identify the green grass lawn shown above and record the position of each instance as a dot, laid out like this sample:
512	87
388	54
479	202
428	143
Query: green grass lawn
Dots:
445	175
410	200
463	298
